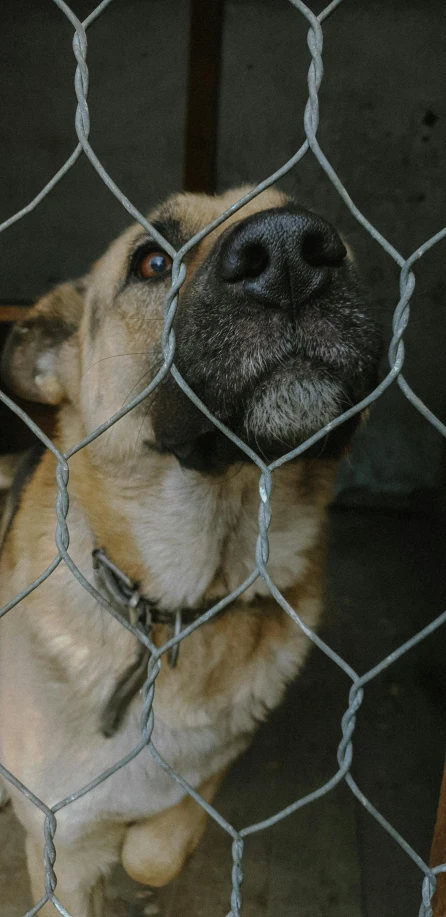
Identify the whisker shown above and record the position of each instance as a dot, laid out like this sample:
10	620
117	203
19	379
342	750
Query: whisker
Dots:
152	369
134	353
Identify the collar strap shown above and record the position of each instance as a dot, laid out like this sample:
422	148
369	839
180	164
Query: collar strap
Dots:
143	612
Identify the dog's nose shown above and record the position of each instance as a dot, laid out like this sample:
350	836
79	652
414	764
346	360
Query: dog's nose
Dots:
280	257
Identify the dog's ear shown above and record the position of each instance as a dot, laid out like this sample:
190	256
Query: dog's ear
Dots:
37	354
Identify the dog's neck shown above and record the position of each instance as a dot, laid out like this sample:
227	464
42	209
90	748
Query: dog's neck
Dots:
187	537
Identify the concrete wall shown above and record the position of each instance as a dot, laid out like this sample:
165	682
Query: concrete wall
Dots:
383	127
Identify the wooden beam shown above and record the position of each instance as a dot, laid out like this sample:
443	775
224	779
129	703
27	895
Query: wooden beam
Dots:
12	313
205	29
438	853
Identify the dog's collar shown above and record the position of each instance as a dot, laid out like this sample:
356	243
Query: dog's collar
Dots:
143	612
124	594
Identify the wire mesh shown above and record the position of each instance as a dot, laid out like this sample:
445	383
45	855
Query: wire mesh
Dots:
266	471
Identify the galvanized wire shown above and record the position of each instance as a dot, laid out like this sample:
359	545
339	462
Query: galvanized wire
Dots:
260	561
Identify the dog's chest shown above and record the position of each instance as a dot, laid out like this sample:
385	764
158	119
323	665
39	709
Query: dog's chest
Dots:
136	791
197	537
192	541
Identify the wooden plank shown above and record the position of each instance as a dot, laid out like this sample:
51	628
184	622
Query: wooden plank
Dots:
438	853
10	314
202	94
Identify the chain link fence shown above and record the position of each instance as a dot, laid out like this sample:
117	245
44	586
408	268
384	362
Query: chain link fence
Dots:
266	472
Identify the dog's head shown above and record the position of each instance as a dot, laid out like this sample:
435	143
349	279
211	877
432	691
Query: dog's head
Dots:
271	334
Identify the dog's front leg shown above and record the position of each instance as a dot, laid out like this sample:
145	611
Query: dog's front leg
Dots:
155	850
79	868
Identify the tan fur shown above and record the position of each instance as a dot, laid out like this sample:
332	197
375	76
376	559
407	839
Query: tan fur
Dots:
186	539
154	851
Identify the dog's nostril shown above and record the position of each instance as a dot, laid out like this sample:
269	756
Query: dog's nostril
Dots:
320	249
255	258
244	261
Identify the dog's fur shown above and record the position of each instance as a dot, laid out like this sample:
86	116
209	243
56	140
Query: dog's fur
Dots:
177	512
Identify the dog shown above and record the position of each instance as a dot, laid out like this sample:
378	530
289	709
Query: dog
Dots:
273	334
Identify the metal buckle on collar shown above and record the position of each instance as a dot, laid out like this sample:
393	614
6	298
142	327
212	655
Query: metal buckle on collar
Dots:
140	612
123	592
125	595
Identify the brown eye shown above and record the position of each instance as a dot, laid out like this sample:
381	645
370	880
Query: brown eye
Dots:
152	265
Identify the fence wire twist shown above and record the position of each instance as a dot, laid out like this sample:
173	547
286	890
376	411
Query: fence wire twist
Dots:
62	536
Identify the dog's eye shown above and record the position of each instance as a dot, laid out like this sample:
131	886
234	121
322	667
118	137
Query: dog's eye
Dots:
153	264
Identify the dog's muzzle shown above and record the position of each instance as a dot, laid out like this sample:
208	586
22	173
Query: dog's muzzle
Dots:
272	335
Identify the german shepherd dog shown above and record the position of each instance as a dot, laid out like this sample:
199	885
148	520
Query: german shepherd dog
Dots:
272	333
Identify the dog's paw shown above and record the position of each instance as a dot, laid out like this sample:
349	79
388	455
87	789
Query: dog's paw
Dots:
4	795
